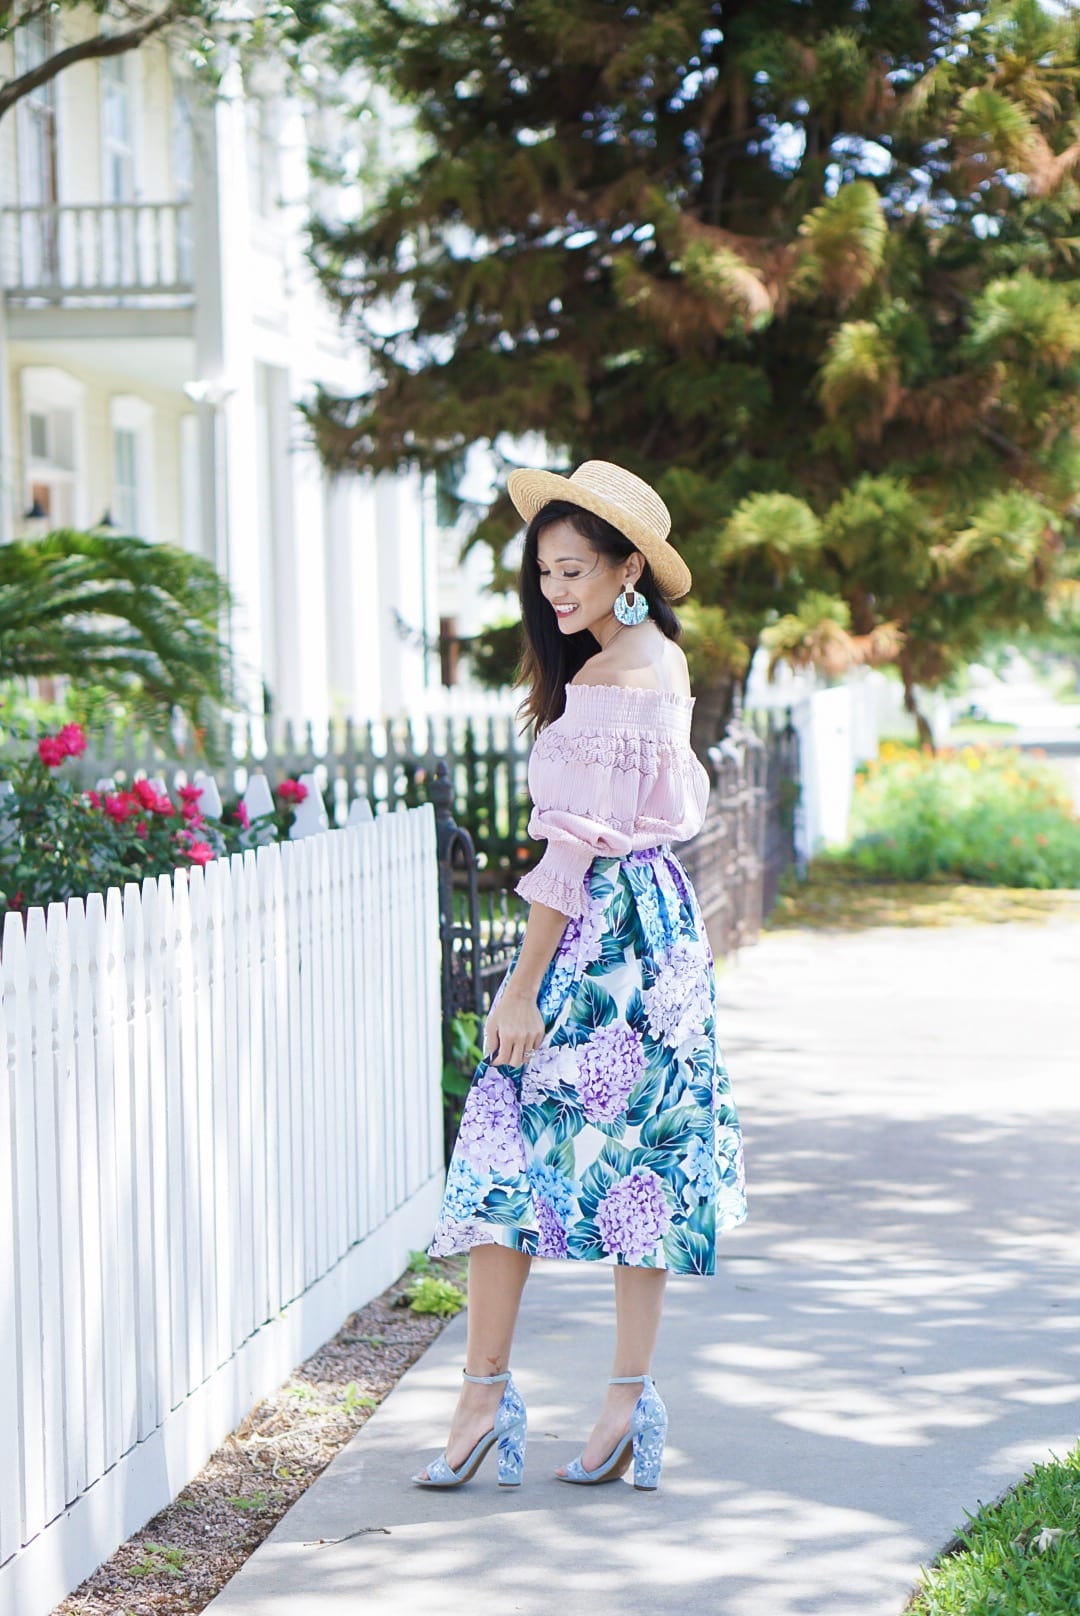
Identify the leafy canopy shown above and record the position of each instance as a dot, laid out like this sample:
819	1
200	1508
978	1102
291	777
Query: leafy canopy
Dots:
810	269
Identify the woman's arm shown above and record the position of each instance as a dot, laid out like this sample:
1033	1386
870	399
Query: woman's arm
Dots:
515	1027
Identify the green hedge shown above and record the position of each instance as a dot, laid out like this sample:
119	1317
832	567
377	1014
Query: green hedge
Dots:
996	816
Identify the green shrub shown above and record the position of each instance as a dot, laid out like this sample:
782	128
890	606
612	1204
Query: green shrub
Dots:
58	841
999	817
431	1294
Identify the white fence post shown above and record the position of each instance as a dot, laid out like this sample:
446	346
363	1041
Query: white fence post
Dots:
219	1134
309	817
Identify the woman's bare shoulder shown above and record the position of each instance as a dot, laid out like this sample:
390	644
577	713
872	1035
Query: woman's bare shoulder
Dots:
627	667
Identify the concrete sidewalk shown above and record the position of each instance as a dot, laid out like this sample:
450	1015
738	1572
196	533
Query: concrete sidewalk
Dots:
894	1336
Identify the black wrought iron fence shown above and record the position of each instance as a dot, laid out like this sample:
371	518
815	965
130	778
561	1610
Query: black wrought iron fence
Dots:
735	862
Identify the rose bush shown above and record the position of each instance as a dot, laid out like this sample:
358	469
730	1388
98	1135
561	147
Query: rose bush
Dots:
983	814
58	841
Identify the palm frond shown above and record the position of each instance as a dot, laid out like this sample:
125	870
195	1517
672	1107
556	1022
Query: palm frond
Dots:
142	620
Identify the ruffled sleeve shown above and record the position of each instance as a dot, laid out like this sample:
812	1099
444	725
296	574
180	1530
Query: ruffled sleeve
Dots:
573	841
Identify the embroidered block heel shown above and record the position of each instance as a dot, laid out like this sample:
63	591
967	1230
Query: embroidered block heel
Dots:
507	1437
644	1443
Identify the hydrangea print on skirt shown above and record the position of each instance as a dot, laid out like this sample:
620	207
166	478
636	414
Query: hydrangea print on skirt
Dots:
618	1141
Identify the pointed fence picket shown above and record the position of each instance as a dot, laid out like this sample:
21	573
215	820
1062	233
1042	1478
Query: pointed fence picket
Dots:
385	764
220	1132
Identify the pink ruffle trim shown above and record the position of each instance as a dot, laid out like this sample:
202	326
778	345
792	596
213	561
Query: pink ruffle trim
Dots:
542	886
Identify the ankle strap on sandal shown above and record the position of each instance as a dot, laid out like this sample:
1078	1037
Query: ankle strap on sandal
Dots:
627	1380
486	1380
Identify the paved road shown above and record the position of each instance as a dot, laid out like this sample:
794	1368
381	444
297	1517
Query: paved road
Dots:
894	1336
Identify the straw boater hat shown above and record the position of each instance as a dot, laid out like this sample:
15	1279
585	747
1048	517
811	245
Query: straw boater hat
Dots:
621	499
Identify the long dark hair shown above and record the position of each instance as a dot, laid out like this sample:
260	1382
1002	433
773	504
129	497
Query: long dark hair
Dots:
551	658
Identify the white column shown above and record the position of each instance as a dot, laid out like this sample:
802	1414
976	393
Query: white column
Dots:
408	594
311	584
366	608
224	349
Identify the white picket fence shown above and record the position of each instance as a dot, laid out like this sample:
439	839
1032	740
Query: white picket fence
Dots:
220	1132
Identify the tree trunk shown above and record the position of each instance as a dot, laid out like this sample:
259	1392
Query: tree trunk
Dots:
926	734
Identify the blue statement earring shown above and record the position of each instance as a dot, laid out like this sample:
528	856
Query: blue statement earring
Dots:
631	607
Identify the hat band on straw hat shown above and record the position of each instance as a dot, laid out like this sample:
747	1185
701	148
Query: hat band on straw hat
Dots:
620	498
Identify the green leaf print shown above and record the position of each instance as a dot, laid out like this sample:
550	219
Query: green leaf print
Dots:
533	1122
634	1014
619	1157
502	1206
667	1164
625	932
699	1066
563	1117
561	1157
674	1129
615	1129
644	1095
597	1180
677	1090
688	1252
570	1036
612	953
659	1059
584	1241
592	1007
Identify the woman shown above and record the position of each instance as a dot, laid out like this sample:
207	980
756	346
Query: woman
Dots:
598	1126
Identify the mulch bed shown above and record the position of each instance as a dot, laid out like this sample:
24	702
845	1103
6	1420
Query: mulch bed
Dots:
186	1554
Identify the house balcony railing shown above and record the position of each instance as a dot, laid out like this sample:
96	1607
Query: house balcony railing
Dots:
101	253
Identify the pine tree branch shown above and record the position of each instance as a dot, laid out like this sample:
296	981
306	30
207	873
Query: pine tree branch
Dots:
101	45
999	440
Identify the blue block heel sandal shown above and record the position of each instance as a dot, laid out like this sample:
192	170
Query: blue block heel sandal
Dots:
507	1436
644	1443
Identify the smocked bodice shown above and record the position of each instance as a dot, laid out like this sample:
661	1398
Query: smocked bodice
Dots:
614	774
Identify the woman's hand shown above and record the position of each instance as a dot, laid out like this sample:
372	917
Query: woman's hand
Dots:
514	1029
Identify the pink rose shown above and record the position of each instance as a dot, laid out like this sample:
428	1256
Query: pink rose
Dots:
119	806
51	751
292	791
243	816
73	737
200	852
154	801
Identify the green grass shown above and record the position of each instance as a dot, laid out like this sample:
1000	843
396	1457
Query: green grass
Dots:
1018	1557
977	729
837	897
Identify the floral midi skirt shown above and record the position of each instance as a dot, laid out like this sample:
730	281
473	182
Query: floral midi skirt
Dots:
618	1140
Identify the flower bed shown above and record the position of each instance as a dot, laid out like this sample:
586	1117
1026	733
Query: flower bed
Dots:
984	814
58	841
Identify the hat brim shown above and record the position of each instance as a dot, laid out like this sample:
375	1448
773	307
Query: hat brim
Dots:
532	490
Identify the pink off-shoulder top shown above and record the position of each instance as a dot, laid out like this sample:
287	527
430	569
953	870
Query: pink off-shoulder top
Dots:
613	775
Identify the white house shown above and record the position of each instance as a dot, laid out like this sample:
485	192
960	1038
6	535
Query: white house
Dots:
159	324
